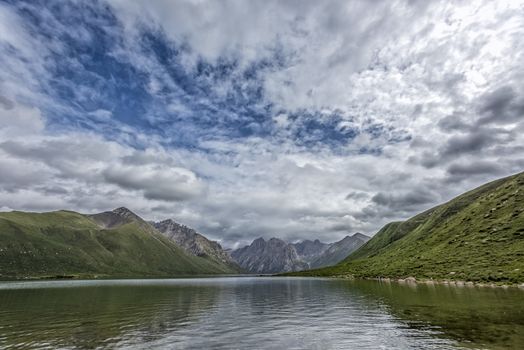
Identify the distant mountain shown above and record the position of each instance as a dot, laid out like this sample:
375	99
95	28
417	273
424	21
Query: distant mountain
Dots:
115	243
338	251
275	255
270	256
477	236
196	244
309	251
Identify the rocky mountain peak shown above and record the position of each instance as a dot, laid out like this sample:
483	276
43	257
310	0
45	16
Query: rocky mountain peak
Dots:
126	213
259	242
272	256
193	242
276	241
172	225
118	217
309	250
361	236
346	238
276	255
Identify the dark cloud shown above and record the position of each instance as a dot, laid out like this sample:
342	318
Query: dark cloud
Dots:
464	144
357	195
468	143
458	172
341	228
453	122
384	214
501	106
53	190
426	159
481	130
480	167
6	103
405	201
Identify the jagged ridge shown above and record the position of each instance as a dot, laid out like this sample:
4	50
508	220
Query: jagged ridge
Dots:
195	244
275	255
270	256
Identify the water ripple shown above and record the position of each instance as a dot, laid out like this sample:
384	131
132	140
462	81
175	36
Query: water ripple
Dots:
247	313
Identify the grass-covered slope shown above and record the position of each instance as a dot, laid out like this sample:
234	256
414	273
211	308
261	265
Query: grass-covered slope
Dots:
478	236
65	243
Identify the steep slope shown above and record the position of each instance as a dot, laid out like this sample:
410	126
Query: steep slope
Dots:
116	243
196	244
309	251
270	256
118	217
338	251
478	236
361	236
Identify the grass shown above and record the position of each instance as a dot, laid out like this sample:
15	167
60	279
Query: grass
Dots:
69	244
478	236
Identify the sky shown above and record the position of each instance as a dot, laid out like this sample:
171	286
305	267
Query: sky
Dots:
246	119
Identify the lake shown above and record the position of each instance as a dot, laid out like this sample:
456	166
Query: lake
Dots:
257	313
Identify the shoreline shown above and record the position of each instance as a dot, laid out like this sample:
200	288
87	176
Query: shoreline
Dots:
414	281
109	277
410	281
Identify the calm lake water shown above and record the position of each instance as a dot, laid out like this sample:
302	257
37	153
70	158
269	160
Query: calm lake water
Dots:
257	313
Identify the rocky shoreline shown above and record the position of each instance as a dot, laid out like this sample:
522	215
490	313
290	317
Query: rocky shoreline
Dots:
455	283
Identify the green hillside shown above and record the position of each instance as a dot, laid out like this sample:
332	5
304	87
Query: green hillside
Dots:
478	236
111	244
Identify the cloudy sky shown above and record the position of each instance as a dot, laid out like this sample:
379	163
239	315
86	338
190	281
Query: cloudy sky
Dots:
295	119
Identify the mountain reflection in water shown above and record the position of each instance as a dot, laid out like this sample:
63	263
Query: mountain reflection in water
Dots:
257	313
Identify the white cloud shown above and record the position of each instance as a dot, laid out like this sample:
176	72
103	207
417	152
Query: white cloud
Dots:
21	120
444	77
102	114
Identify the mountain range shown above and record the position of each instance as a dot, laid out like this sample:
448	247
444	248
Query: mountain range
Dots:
477	236
275	255
115	243
271	256
119	243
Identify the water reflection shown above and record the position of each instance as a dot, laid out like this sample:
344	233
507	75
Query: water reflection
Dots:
482	317
257	313
98	316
